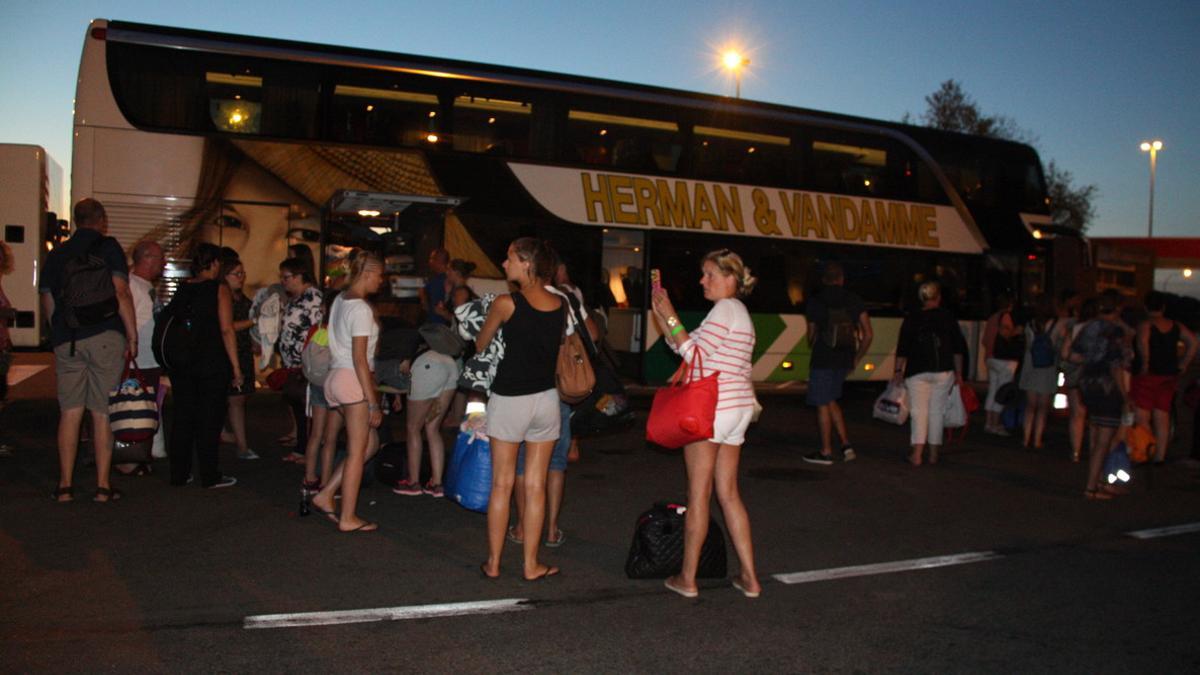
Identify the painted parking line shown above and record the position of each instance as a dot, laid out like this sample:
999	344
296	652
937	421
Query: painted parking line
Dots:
885	568
304	619
1165	531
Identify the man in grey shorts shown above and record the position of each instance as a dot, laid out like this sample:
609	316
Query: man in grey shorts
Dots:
88	359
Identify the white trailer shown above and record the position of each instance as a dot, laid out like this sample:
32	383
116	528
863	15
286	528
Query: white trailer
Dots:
31	201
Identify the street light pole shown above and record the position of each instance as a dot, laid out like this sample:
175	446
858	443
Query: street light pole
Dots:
1152	147
735	62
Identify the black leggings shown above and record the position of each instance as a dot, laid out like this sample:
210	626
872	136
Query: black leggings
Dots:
197	416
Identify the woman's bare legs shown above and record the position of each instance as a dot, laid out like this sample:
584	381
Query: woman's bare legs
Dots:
361	445
237	423
316	436
914	457
700	459
504	472
334	421
433	436
1077	424
414	423
537	463
1037	407
1101	440
736	518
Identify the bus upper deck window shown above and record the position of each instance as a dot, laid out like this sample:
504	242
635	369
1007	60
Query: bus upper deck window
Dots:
630	143
737	155
235	101
849	168
492	126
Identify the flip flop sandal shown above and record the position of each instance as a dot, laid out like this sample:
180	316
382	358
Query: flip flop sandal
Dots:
555	543
737	583
60	492
550	572
110	495
511	536
365	527
681	591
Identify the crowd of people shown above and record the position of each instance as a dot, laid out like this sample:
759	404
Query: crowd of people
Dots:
1119	371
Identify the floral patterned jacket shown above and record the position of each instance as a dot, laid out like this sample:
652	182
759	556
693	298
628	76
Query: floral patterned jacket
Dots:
479	370
299	315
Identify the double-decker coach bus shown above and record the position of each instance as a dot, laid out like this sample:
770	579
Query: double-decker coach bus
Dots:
256	143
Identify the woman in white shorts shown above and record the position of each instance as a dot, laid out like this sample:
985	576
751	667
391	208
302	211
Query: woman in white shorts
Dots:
726	341
350	388
524	400
434	381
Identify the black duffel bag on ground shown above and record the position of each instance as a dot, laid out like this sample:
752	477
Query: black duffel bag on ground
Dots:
657	548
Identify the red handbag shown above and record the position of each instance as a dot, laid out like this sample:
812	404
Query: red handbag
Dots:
969	398
683	411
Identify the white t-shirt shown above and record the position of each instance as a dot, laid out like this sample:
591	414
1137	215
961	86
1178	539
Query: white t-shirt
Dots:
143	317
347	320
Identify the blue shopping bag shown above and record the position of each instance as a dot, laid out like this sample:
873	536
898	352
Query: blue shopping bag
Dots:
468	478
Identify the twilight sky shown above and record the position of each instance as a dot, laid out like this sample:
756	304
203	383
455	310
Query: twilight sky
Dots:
1089	80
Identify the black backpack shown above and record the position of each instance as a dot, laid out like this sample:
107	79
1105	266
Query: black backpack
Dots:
840	331
88	296
173	343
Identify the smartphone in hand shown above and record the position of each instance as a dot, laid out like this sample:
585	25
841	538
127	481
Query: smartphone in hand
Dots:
655	279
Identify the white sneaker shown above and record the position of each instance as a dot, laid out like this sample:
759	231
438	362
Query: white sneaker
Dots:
224	482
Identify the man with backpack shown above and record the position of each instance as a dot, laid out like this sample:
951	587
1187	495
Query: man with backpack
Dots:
85	291
839	334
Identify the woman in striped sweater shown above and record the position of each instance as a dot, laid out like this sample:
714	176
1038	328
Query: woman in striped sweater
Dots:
726	341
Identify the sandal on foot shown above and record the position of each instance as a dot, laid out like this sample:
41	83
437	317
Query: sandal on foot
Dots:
681	591
60	492
737	583
1096	494
365	527
557	541
328	514
547	573
109	495
511	535
484	573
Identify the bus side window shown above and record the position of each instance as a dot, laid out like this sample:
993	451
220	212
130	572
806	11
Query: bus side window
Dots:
636	144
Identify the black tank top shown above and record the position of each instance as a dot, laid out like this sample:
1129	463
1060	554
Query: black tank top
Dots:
1164	357
531	340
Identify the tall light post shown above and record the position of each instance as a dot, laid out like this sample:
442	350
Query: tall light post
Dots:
1185	274
735	62
1151	147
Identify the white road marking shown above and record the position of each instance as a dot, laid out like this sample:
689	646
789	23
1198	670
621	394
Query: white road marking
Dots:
885	568
1165	531
385	614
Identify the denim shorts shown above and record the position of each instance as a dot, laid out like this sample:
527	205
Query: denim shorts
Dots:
316	396
558	458
825	385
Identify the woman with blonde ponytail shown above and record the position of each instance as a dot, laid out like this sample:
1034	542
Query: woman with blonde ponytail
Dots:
350	388
726	341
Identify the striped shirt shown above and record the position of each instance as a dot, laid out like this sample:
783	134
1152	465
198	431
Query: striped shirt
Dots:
726	342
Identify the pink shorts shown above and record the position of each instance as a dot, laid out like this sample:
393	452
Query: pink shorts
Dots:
342	388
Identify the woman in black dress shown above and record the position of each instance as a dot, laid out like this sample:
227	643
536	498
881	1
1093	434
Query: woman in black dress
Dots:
200	390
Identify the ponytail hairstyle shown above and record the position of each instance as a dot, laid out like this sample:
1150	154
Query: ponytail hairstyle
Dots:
731	264
542	259
360	260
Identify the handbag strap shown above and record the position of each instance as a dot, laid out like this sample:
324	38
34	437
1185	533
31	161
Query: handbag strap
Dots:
689	371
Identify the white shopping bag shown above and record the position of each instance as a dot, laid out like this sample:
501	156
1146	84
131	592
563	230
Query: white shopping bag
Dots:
955	413
892	404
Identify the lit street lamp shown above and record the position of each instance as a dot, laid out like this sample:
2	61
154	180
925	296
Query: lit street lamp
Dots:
1151	147
1185	273
735	63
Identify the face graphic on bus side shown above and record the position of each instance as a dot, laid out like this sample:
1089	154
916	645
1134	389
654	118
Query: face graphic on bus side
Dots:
258	231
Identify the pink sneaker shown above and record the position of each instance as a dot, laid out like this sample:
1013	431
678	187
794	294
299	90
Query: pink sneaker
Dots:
407	488
433	489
